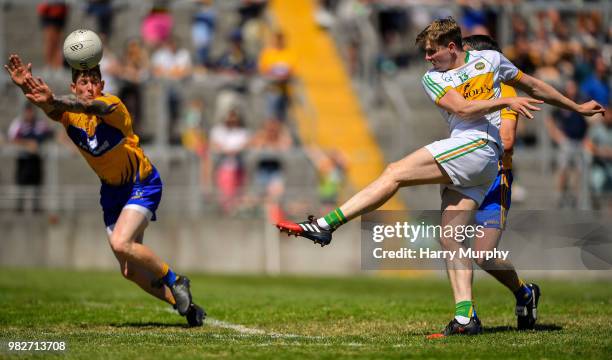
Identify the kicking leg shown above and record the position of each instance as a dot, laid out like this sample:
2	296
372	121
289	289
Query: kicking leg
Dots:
415	169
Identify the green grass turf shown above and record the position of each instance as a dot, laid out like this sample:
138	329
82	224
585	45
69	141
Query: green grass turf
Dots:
100	315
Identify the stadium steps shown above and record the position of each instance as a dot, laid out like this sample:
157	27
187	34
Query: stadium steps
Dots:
336	120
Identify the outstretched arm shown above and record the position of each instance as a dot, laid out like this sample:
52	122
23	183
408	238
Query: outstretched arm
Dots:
39	93
541	90
454	103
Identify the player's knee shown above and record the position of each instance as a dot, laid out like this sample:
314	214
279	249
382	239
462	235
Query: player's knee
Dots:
392	171
121	247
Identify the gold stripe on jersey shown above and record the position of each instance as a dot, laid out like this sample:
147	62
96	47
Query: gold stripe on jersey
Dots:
108	143
508	114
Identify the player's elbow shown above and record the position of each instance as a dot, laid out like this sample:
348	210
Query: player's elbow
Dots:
468	113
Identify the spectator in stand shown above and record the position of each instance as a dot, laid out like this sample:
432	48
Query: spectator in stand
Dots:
103	12
596	86
109	67
475	18
331	169
599	143
53	15
228	141
251	9
172	64
568	130
135	71
277	65
235	61
29	131
520	54
194	139
157	25
252	25
268	143
203	31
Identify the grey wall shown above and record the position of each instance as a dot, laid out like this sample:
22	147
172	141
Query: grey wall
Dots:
208	244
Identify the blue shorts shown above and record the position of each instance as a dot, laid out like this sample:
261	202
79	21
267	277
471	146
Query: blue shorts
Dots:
142	195
496	204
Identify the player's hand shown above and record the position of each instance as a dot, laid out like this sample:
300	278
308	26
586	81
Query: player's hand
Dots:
17	70
591	108
523	105
39	92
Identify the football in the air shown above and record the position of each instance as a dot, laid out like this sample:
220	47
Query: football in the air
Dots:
83	49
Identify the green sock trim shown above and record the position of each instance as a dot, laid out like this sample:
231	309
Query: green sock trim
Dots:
464	308
335	218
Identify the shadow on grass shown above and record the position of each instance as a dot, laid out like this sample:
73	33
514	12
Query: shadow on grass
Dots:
538	328
149	324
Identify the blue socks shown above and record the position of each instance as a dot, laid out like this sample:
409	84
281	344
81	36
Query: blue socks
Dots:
170	277
523	294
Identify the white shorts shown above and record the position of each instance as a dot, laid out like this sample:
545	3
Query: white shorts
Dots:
471	163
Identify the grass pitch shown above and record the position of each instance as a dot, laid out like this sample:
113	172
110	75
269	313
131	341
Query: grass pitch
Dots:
100	315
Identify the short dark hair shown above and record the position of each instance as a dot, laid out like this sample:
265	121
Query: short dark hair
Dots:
440	32
481	42
94	71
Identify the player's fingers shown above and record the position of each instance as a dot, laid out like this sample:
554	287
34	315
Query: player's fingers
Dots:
525	112
535	101
29	67
40	81
30	82
532	107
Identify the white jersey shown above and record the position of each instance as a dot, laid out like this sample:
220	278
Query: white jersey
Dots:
478	79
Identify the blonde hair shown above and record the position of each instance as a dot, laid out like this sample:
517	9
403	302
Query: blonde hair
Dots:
440	32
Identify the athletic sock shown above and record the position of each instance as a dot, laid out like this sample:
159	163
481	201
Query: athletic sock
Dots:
464	311
523	294
333	220
170	277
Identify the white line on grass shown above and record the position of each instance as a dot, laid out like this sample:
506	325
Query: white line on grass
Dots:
249	331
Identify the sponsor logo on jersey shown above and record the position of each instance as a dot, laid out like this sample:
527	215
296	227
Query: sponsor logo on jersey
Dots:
479	65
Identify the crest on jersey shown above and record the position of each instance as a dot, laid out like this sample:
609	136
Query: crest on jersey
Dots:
479	65
92	142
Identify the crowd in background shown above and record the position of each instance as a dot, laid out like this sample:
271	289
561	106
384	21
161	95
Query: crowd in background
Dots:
570	49
215	129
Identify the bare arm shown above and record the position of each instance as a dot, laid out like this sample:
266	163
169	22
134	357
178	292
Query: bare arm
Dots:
541	90
454	103
40	94
507	133
71	103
